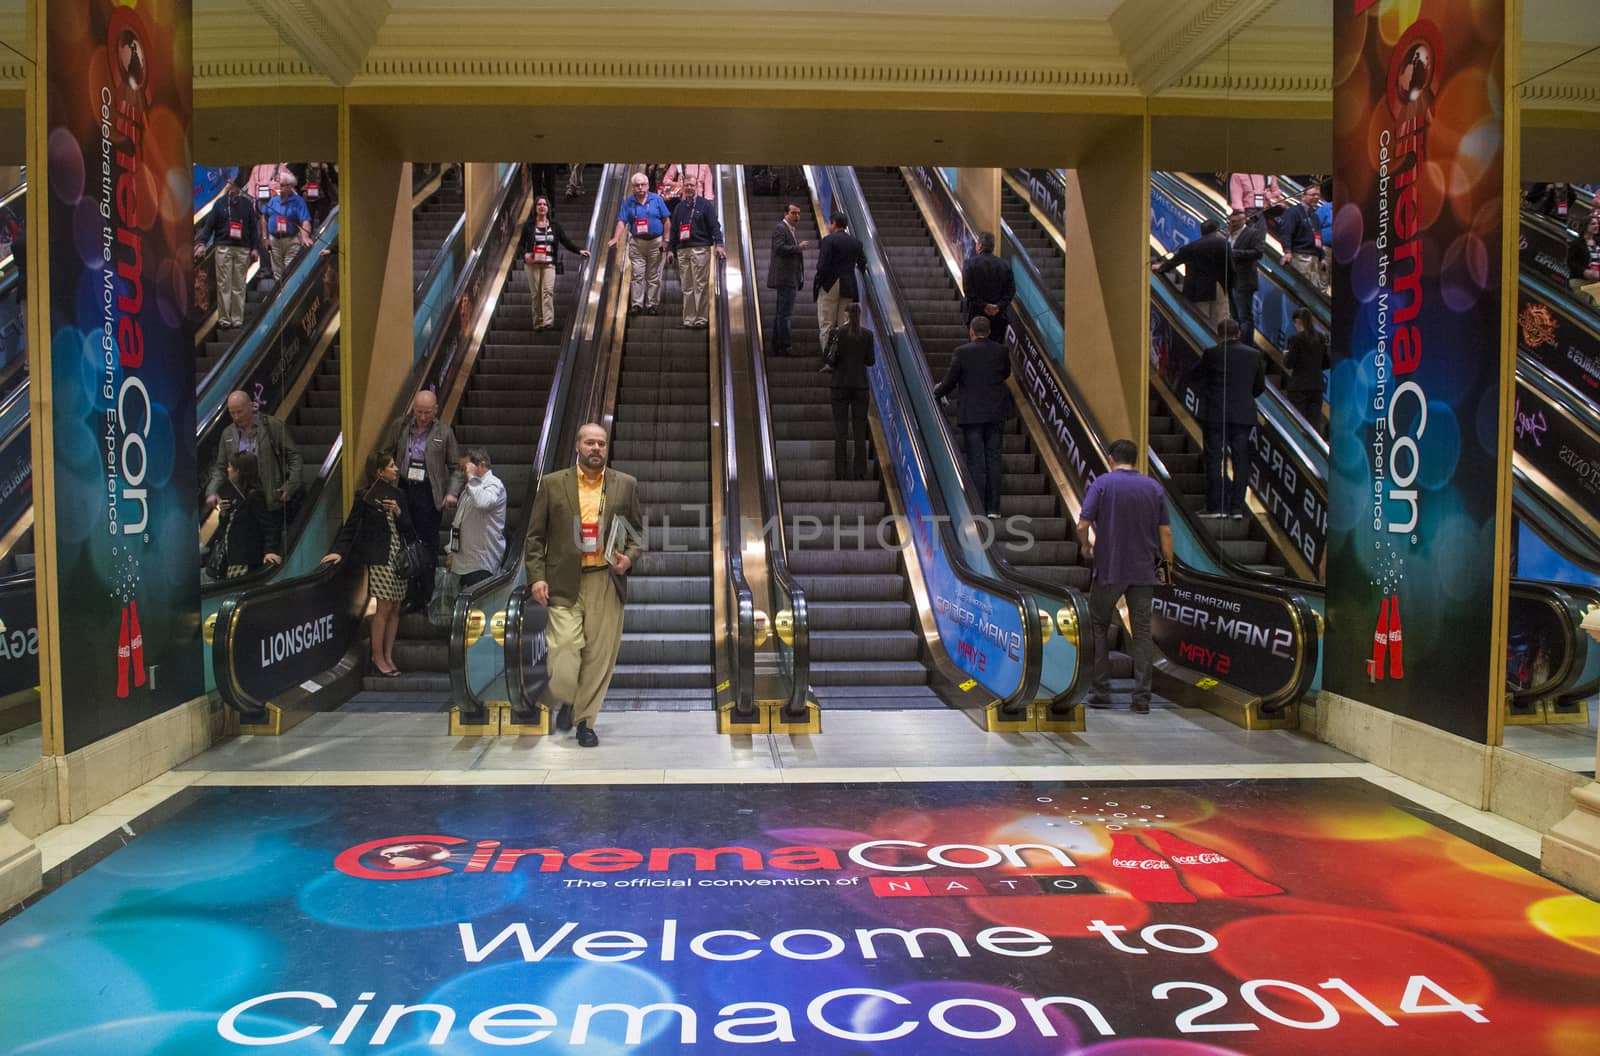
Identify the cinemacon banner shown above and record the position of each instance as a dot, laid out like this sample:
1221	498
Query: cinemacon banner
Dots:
122	362
1414	459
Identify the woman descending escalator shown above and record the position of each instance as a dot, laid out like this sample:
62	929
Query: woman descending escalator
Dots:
376	532
249	534
540	246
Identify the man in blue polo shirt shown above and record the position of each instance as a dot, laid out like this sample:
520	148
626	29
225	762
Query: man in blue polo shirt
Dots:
695	233
1131	547
288	226
643	219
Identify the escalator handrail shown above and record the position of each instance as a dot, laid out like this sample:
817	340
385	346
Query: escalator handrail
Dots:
593	275
884	308
776	537
211	398
457	232
1574	651
741	613
275	587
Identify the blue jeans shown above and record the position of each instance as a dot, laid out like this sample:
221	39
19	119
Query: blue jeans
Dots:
782	334
1102	607
985	444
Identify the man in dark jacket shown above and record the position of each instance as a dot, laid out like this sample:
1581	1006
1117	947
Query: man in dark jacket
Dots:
277	458
1247	244
1205	272
987	288
1227	379
786	274
430	466
980	369
1301	236
834	285
235	233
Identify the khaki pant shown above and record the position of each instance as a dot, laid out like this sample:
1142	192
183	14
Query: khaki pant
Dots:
694	275
1310	265
542	288
284	252
583	640
233	262
1584	290
830	314
644	263
1216	309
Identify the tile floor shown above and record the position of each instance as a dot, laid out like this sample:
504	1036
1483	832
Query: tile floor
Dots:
1569	746
347	750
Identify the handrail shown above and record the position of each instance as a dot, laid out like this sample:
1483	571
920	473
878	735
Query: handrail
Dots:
436	369
555	427
895	395
740	629
777	543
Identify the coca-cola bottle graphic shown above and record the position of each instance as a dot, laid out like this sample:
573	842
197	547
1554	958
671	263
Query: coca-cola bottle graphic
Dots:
1234	879
1380	644
1396	641
1146	875
135	642
124	655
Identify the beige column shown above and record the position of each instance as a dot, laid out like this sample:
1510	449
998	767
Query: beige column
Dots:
479	183
1108	279
978	191
375	353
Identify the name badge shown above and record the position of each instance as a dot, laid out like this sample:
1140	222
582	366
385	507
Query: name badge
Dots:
1316	236
541	254
1261	200
280	225
235	230
683	232
1561	208
263	191
313	191
416	473
641	226
589	537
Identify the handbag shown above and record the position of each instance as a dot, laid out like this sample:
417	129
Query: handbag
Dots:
217	556
412	560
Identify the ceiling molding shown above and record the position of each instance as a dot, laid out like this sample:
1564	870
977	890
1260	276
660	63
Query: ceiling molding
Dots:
1163	40
332	38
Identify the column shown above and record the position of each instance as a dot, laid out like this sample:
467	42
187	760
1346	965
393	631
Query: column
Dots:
1108	279
480	181
978	191
375	281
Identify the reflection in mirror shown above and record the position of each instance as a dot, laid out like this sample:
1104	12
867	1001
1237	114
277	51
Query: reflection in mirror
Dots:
14	44
1552	661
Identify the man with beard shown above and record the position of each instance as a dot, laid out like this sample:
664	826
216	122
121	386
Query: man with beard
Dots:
578	564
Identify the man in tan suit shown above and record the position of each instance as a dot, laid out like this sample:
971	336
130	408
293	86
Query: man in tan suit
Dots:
568	530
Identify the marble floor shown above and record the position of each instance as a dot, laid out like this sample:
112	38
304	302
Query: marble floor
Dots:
1570	746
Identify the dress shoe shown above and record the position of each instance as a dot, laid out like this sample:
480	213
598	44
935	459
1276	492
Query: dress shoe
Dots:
1099	703
1140	707
564	717
587	738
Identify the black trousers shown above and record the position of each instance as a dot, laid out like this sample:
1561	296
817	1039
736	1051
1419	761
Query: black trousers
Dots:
1309	403
985	444
1227	442
425	516
782	333
850	428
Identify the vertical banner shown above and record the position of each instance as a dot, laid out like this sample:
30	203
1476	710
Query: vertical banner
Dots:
1414	467
122	362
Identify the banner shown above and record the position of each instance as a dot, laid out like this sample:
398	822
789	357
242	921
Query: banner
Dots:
122	363
1566	344
1306	917
1415	460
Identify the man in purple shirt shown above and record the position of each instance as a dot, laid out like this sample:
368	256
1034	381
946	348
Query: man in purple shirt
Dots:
1131	547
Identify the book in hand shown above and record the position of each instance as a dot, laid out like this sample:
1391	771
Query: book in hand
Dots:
616	540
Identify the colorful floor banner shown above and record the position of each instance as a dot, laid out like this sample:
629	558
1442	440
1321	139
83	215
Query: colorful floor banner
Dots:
1201	919
1415	461
123	389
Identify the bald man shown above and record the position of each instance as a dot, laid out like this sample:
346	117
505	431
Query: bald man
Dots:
571	572
425	449
265	437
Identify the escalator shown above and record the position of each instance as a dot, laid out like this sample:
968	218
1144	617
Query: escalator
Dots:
661	434
509	380
866	646
433	220
1042	246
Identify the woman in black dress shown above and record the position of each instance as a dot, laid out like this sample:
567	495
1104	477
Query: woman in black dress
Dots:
249	534
1306	358
372	534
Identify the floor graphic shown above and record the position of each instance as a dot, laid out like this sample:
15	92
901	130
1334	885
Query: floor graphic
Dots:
1029	919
